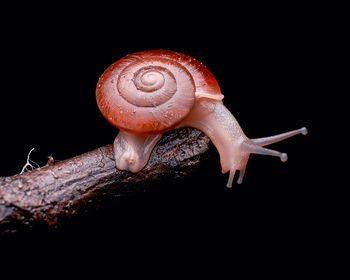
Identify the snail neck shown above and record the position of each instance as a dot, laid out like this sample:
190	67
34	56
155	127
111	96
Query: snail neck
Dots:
217	122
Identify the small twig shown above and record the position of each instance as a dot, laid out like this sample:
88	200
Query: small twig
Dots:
29	163
50	161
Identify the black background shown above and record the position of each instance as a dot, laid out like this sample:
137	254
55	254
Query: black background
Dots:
267	64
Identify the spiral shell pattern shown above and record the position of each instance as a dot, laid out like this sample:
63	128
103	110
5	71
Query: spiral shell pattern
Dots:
149	92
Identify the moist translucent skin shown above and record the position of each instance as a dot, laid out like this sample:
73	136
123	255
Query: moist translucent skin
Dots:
148	93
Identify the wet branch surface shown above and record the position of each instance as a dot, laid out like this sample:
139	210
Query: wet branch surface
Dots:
49	196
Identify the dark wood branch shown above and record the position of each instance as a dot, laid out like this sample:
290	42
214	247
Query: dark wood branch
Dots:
52	194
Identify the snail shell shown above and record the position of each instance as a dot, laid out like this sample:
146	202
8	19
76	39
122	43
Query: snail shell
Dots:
150	92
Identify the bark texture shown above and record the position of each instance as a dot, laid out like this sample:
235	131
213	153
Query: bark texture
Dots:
58	191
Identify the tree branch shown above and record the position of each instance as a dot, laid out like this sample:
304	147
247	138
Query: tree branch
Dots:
56	192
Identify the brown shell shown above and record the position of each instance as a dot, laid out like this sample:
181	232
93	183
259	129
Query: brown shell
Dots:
150	92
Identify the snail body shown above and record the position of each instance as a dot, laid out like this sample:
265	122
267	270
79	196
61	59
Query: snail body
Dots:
147	93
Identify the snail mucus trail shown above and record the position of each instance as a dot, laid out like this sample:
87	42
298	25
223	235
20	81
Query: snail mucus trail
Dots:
147	93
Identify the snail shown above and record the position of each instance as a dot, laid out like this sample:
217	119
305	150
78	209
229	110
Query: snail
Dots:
147	93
